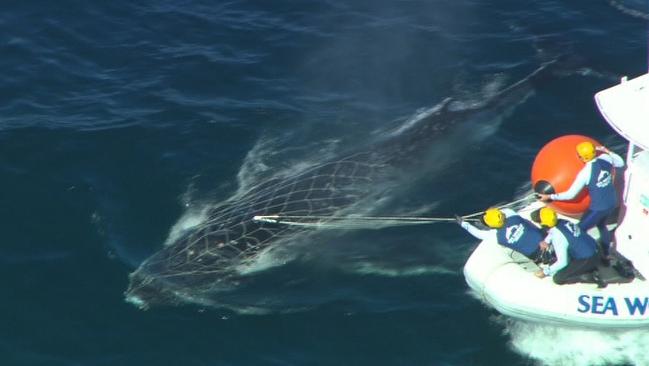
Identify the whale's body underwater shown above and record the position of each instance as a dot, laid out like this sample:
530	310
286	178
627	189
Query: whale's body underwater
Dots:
212	256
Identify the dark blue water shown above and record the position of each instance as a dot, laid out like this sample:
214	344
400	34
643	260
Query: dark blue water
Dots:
118	121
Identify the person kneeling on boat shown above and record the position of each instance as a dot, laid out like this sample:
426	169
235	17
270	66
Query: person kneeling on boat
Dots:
597	175
510	230
576	251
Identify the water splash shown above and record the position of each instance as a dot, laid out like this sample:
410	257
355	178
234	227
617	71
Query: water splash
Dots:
552	345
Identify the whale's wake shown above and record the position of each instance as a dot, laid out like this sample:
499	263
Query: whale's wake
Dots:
553	345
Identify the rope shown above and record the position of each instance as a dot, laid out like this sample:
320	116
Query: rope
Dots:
368	221
354	221
507	205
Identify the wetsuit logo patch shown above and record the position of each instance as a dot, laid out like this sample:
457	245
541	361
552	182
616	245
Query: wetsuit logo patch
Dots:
603	179
514	233
574	229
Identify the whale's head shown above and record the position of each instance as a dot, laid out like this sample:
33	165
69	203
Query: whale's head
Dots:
145	291
204	261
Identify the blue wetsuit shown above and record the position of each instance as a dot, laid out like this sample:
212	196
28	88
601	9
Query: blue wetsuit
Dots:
576	252
520	235
597	175
517	234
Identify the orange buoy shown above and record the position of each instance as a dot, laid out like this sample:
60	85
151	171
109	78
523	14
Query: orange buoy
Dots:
555	168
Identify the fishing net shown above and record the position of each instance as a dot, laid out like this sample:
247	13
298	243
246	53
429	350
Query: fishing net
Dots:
230	239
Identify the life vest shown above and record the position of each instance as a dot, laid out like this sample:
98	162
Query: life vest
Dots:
601	187
580	244
520	235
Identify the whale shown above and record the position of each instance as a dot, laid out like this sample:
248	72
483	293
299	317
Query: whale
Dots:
218	254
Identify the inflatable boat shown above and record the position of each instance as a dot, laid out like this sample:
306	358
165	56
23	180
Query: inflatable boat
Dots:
505	280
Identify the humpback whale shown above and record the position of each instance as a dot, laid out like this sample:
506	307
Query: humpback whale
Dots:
213	256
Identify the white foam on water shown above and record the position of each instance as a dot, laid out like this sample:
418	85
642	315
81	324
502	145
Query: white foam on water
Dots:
635	8
255	164
269	158
369	268
193	216
553	345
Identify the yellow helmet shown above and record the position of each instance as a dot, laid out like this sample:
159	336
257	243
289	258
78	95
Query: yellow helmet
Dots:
494	218
548	217
586	150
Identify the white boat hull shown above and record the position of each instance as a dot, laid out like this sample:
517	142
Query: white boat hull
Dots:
505	280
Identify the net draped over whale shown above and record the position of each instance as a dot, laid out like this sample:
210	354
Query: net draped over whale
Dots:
217	254
205	258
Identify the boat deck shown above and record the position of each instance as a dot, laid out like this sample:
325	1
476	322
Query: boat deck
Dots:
609	274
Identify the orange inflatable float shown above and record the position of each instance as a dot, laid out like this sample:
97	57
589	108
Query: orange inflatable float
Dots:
556	167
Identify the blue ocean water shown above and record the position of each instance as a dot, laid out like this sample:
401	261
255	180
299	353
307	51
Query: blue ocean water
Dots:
119	121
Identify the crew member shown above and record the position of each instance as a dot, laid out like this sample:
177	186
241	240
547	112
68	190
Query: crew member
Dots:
508	229
576	251
597	174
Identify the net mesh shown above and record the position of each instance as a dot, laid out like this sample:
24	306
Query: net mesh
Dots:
231	239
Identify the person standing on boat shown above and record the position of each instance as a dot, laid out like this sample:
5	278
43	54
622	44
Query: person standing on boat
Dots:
508	229
576	251
597	174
